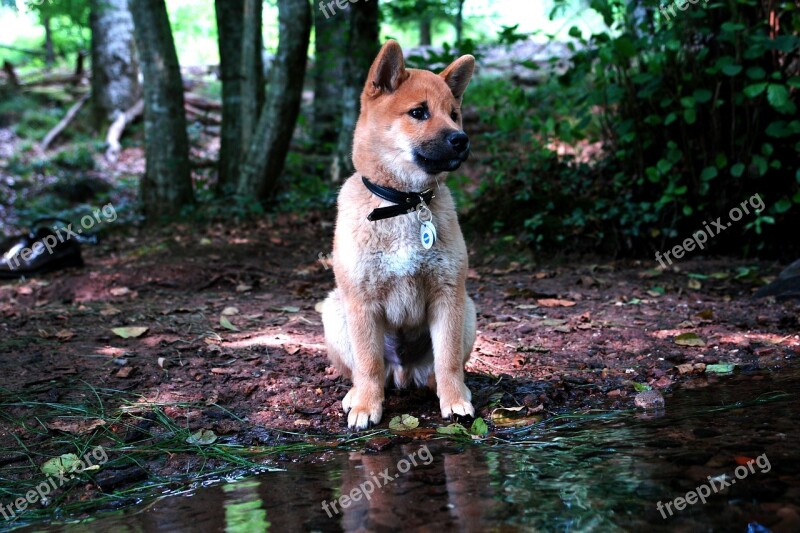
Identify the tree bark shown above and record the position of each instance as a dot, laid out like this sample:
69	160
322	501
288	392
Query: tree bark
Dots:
330	37
230	22
49	50
425	31
166	186
251	71
459	24
115	67
363	46
269	146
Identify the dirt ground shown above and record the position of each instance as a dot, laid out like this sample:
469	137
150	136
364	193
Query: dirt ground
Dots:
231	322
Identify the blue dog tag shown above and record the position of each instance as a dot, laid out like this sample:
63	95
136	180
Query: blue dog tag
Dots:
427	234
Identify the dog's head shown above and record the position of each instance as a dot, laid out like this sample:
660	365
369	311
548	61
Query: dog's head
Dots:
410	122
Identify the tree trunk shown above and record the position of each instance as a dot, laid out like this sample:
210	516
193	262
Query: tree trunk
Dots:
251	71
330	36
115	68
425	32
270	144
166	186
363	46
230	21
459	24
49	50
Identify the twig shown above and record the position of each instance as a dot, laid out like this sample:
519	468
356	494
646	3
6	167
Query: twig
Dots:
117	128
61	126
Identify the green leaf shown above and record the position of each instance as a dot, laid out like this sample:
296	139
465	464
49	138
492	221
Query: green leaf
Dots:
756	73
640	387
453	429
479	427
202	437
689	339
737	170
783	205
225	323
751	91
60	465
709	173
403	423
732	70
778	97
761	164
702	95
690	116
721	368
670	119
129	332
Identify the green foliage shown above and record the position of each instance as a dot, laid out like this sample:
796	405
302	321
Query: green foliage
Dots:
697	112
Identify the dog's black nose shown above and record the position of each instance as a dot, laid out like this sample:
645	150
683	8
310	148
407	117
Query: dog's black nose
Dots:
459	141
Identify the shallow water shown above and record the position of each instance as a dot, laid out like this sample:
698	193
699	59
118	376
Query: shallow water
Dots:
604	474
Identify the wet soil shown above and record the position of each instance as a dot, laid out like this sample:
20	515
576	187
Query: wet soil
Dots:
231	325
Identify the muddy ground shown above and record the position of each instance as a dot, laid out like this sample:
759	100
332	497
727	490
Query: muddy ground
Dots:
552	337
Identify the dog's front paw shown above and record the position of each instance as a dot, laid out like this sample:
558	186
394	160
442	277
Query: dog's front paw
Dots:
362	409
456	402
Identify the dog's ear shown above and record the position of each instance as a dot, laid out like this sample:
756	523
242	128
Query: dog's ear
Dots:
458	75
388	70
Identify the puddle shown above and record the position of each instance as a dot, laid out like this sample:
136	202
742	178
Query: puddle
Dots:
603	474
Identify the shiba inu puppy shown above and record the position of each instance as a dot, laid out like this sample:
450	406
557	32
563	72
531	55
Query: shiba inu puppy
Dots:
400	310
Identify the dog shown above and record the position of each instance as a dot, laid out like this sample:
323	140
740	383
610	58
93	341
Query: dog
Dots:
400	310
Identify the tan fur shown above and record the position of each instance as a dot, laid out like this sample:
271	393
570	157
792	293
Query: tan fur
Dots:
386	281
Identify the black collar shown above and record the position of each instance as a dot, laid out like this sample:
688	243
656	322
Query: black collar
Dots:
406	202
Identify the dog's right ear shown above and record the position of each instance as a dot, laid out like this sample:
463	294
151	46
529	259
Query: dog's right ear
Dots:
388	71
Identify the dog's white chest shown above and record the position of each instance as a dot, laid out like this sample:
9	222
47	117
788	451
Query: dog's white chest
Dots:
402	262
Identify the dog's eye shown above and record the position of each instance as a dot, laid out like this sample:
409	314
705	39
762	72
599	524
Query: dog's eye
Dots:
454	116
419	113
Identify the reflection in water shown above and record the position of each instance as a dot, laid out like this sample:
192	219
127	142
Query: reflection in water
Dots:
600	475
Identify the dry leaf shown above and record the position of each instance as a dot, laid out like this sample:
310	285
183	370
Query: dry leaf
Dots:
130	332
65	334
230	311
109	311
119	291
689	339
124	372
75	426
554	302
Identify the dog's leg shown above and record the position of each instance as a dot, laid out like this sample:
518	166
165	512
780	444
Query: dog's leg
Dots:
340	350
364	402
470	327
447	323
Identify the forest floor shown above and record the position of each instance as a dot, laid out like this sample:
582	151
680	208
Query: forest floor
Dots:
233	343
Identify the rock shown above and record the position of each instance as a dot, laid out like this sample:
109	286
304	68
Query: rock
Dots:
649	399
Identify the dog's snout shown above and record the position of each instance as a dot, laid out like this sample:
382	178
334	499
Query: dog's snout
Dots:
459	141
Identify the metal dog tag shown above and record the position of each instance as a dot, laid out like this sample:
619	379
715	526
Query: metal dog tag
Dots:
427	234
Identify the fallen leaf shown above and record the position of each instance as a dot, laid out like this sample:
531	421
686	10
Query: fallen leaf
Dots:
641	387
479	427
554	302
75	426
130	332
453	429
202	437
230	311
225	323
119	291
243	288
403	423
689	339
58	466
109	311
162	361
743	460
694	284
721	368
287	309
65	334
124	372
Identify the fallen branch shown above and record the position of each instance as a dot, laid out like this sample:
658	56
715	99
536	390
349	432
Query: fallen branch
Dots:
61	126
117	128
203	116
201	102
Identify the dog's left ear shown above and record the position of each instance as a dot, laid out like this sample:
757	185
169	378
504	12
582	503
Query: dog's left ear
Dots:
458	75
